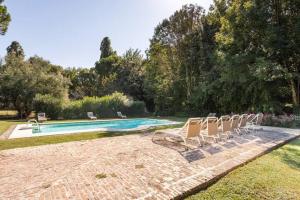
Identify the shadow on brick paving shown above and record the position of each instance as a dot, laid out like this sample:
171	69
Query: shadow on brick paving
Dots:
193	152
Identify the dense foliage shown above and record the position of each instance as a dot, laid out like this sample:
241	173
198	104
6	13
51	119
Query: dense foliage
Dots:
240	56
102	107
4	18
106	106
21	80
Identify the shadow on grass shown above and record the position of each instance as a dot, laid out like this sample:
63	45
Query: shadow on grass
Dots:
290	154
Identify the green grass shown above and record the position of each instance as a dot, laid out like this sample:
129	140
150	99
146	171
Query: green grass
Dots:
101	176
37	141
5	124
272	176
11	113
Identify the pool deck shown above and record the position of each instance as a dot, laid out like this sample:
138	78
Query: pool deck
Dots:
128	167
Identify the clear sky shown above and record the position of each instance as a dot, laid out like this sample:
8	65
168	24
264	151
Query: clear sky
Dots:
69	32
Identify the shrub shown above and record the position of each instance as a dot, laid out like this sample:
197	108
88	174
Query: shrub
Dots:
48	104
106	107
279	121
296	110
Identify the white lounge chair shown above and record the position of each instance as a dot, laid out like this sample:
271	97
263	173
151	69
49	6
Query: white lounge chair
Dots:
242	124
235	123
191	129
121	115
224	126
91	116
41	117
256	121
211	114
211	131
250	118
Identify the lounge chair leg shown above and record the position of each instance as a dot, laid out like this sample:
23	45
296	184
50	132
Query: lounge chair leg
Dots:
184	140
203	138
199	140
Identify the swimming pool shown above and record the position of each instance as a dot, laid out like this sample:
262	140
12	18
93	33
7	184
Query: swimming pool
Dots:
89	126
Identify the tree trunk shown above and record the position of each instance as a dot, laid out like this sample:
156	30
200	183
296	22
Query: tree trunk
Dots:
294	93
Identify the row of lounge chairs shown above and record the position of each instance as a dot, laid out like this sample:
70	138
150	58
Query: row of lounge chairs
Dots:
41	117
215	128
91	115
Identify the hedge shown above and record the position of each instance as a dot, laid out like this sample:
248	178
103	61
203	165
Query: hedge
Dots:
102	107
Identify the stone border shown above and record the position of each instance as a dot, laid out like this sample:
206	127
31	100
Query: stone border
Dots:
210	182
19	133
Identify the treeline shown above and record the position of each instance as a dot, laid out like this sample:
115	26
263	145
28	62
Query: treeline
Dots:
37	85
241	56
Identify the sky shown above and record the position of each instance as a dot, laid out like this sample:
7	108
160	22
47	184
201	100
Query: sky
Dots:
69	32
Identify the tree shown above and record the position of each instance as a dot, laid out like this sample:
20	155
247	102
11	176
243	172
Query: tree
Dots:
21	81
15	49
259	47
83	82
107	68
105	48
179	59
131	74
4	18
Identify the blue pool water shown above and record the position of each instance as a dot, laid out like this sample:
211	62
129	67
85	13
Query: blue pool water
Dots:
106	125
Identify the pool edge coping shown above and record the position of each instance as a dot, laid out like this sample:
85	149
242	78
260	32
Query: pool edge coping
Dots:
8	132
138	129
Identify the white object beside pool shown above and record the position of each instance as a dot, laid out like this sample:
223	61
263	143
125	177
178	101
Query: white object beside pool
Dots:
99	125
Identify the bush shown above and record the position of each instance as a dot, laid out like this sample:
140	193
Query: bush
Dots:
48	104
279	121
106	107
296	110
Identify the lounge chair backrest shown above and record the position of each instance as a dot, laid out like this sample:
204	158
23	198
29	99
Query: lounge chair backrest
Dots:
119	114
204	123
259	119
243	120
234	121
211	114
193	127
90	114
225	123
250	117
212	125
42	115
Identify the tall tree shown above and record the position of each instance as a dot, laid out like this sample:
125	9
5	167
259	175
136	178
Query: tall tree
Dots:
15	49
259	43
105	48
84	82
4	18
107	68
131	74
21	81
179	58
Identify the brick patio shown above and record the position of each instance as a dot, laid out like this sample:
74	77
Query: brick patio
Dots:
131	167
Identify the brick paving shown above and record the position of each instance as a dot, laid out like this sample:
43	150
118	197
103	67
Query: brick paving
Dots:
128	167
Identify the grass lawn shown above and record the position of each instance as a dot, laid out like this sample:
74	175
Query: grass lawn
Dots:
8	113
5	124
36	141
272	176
